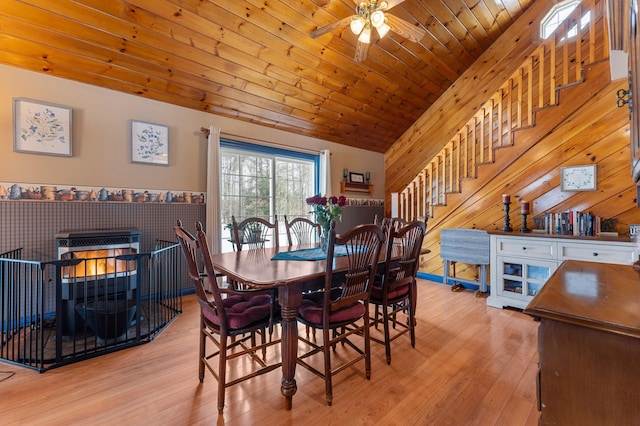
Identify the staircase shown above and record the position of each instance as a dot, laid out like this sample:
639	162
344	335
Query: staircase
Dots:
558	63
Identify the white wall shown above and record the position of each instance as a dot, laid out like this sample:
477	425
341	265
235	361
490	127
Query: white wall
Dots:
100	137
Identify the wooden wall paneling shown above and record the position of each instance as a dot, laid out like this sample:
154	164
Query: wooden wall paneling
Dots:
462	212
490	72
524	78
524	88
523	153
606	151
619	24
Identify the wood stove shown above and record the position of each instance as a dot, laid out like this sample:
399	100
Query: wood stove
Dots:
98	285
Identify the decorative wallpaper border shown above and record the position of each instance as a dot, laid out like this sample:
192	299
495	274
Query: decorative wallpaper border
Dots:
364	202
52	192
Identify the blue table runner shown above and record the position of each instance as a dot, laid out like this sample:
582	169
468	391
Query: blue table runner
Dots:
309	254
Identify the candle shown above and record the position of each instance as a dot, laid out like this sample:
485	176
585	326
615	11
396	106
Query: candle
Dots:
525	207
345	173
506	198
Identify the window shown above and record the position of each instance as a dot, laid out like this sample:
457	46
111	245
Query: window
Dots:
262	181
556	17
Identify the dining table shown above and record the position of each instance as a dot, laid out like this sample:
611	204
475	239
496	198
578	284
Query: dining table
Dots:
256	269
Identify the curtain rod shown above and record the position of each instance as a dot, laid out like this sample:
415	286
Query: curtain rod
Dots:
205	130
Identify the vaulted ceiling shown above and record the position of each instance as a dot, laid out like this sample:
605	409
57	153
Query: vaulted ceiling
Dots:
254	60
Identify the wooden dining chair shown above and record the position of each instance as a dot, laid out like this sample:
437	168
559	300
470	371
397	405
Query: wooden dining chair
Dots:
394	223
227	315
341	310
395	291
255	233
302	231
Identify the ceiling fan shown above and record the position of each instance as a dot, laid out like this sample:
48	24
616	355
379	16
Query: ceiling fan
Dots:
371	14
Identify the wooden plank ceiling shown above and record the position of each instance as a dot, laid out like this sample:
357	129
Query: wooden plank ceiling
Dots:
254	60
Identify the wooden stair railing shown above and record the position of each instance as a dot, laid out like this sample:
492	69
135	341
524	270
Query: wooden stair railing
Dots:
557	62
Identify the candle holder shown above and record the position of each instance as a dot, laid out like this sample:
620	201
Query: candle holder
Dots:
507	222
524	223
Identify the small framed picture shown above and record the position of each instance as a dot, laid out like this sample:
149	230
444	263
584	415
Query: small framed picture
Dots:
41	128
578	178
356	177
149	143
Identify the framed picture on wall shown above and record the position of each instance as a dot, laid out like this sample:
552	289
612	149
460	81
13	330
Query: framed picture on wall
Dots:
149	143
578	178
41	127
356	177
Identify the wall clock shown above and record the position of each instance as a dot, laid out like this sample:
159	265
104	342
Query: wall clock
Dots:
578	178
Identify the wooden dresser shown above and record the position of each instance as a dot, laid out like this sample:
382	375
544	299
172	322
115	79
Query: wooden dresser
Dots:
589	345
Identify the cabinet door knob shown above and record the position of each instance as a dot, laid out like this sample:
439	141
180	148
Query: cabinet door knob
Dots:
595	254
524	248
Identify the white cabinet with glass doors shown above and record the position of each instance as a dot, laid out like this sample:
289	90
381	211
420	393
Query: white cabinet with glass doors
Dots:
521	263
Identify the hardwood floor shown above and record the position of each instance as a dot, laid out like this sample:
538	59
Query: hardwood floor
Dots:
472	365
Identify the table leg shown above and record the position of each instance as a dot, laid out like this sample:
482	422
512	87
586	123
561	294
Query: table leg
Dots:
289	298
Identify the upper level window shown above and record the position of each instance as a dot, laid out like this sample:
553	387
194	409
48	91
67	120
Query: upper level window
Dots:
558	14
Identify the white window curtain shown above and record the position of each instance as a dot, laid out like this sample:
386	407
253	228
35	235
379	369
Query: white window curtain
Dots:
325	172
213	223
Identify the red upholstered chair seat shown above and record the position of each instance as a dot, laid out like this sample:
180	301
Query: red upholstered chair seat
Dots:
397	293
241	310
311	311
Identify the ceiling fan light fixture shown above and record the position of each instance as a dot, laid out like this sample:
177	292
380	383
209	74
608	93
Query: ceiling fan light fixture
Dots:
377	18
357	24
383	29
365	35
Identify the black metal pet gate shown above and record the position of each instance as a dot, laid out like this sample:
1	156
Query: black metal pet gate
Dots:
105	301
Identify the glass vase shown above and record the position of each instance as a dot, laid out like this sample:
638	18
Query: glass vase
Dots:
324	239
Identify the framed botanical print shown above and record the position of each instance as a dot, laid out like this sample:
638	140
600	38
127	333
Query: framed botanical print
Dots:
149	143
41	127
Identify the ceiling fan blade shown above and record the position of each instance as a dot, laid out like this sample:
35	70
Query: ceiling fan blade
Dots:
405	29
361	51
392	3
328	28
